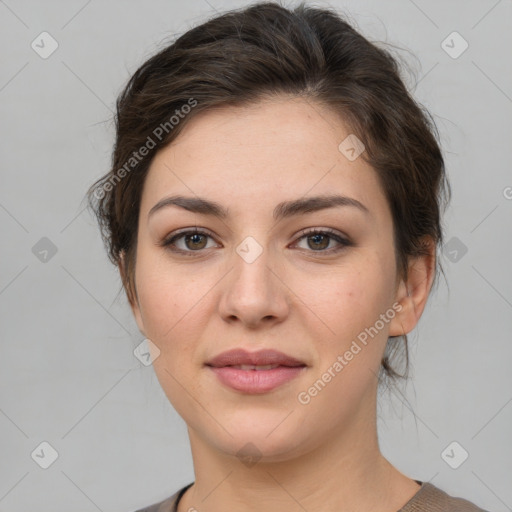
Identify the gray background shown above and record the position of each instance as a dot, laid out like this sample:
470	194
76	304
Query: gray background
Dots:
68	375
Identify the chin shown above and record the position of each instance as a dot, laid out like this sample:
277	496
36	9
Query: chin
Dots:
254	441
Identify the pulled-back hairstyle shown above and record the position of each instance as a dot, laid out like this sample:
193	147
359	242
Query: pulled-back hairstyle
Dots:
263	51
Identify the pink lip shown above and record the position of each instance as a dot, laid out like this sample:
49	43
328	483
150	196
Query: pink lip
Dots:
255	381
261	357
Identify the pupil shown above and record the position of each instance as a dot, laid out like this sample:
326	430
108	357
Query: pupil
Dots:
316	237
195	238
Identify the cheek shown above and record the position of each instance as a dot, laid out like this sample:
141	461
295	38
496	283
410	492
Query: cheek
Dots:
351	298
173	311
351	307
171	302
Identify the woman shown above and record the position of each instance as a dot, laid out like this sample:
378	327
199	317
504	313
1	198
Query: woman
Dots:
274	210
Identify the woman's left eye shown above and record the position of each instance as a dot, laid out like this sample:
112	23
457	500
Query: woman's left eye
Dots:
319	240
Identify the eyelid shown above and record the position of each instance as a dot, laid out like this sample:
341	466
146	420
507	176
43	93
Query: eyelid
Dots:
329	231
189	230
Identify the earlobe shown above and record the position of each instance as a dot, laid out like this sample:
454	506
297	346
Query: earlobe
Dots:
413	293
403	297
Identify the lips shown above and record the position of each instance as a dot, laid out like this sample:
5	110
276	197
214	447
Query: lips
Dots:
265	359
255	372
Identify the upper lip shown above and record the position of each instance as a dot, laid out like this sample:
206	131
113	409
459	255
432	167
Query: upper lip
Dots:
262	357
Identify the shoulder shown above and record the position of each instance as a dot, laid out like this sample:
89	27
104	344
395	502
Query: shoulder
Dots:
167	505
430	498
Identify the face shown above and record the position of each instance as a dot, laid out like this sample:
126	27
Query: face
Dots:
311	283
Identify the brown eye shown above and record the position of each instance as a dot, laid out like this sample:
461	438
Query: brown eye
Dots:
187	242
196	240
319	241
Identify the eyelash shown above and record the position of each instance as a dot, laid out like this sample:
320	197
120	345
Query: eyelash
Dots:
169	241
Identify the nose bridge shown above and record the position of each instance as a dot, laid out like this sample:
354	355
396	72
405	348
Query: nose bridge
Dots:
253	291
252	264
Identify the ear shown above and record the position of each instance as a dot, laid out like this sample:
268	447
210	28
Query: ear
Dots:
412	294
133	301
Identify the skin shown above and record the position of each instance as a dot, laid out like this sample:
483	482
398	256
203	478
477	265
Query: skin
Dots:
324	455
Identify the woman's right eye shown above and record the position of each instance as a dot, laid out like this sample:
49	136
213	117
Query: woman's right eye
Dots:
187	242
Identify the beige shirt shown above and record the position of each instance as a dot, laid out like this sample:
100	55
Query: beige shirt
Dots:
429	498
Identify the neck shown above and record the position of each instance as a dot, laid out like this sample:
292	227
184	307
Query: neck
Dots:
345	471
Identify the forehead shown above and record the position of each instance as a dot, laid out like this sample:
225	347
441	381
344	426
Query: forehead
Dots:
260	155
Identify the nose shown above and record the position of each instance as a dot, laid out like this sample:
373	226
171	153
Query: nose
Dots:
254	294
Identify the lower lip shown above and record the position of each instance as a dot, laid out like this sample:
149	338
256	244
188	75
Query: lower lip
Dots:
256	381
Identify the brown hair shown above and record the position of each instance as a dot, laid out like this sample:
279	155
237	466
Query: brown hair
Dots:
267	50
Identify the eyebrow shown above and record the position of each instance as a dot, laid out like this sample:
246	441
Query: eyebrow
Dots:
282	210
